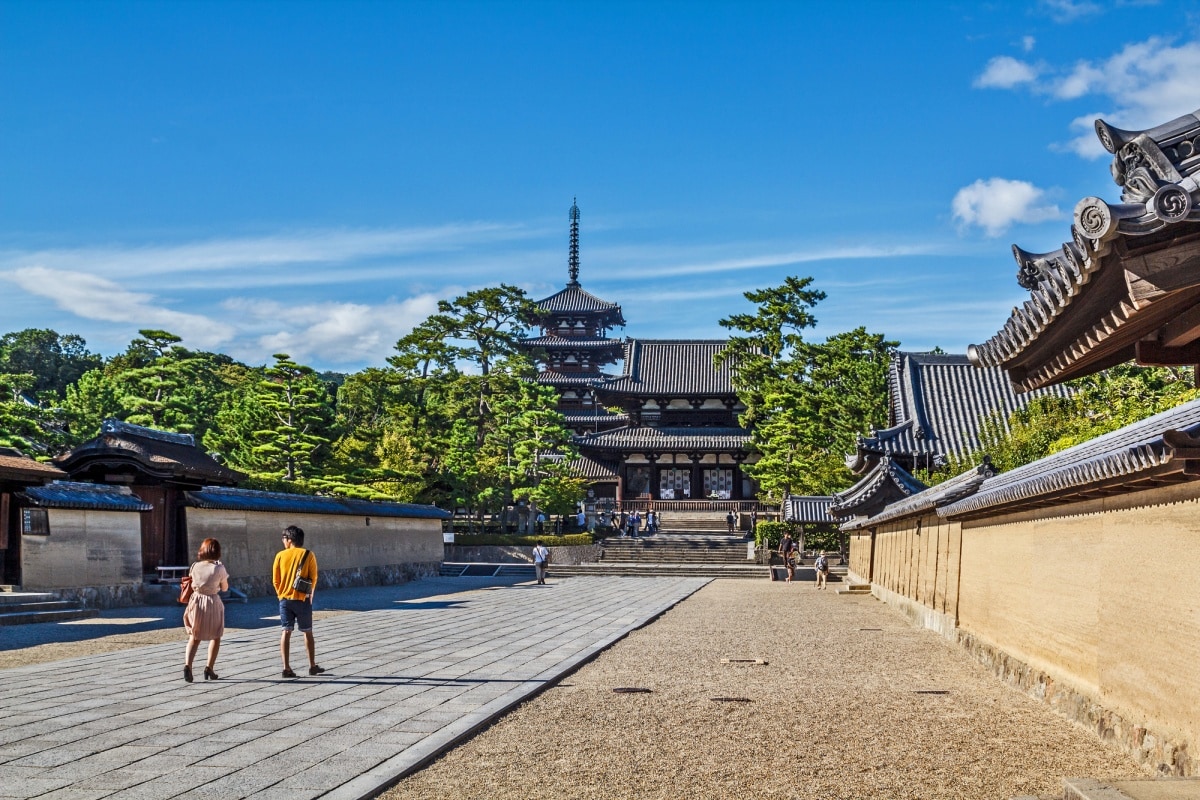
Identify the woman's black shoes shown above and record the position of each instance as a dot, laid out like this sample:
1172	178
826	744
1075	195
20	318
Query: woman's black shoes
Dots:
287	673
209	675
187	674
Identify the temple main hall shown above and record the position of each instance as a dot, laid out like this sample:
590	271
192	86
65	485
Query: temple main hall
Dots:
655	421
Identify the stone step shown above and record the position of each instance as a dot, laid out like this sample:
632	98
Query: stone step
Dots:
8	598
31	617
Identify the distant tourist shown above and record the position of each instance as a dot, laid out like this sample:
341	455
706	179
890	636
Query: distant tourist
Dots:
787	549
541	523
541	557
634	522
731	521
294	574
204	617
581	521
822	565
651	522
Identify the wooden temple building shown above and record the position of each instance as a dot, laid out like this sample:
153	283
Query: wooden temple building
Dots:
1064	575
661	430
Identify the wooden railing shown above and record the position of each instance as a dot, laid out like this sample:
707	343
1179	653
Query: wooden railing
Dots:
722	506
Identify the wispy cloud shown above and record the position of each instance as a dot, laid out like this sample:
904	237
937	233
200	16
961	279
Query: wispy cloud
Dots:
92	297
996	204
1065	11
767	260
279	251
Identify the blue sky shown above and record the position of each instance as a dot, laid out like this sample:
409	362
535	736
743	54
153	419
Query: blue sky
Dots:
311	177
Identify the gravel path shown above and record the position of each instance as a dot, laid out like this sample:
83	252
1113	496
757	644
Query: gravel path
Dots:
852	702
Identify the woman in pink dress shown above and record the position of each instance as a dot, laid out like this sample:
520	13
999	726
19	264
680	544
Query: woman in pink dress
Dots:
204	617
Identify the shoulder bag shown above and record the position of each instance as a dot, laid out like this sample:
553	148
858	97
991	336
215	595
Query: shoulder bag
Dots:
299	583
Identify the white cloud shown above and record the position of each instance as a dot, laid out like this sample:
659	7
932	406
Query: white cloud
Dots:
1145	84
1005	72
1028	43
1070	10
338	334
996	204
93	297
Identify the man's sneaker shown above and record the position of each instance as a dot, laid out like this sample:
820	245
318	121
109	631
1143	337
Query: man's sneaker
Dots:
287	673
315	670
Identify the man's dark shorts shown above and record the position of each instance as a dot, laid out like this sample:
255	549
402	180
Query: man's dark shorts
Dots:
295	613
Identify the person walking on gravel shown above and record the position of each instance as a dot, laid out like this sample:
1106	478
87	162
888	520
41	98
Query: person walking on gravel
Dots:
294	575
787	549
822	566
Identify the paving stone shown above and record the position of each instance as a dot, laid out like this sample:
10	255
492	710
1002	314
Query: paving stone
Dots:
429	663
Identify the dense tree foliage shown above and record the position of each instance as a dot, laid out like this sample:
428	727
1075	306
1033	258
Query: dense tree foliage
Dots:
805	402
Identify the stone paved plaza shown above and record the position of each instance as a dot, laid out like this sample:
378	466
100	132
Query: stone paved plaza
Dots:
411	670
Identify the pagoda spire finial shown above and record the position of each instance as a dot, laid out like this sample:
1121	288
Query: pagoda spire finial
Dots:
573	258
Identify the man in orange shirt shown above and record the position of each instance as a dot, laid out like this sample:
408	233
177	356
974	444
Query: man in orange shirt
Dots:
294	574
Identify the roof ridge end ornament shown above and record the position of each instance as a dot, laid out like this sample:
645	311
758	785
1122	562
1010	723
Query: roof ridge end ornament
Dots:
573	252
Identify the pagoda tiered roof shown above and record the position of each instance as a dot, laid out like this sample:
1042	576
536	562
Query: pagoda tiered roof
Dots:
574	300
1127	284
666	440
672	368
937	405
552	378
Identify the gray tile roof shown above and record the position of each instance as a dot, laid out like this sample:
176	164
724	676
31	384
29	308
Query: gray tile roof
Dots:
596	470
807	508
551	378
1083	313
91	496
601	416
161	454
215	497
947	491
574	300
937	404
673	368
1132	458
664	440
885	484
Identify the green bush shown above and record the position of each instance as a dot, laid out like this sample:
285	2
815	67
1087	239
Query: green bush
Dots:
769	533
512	540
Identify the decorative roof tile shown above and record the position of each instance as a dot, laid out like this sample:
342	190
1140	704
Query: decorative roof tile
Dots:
1121	461
219	497
573	343
885	484
1110	294
90	496
596	470
673	368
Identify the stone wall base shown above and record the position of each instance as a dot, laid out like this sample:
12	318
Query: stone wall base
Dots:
511	554
387	575
119	596
1168	757
919	614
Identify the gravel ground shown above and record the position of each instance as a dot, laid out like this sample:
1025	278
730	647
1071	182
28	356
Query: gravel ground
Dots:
852	702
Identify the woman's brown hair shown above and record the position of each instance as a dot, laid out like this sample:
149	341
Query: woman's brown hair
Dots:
210	550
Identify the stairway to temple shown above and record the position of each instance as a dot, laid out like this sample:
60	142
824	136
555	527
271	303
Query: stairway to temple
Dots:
22	608
675	548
